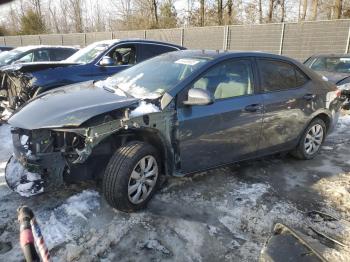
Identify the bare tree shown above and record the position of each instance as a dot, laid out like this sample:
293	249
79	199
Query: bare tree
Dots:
303	15
77	15
260	12
283	10
220	13
202	11
54	18
314	9
155	12
338	8
271	7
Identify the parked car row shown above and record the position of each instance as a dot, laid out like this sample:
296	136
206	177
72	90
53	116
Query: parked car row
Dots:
94	62
163	111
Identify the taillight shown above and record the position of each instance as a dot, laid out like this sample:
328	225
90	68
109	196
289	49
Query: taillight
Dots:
338	93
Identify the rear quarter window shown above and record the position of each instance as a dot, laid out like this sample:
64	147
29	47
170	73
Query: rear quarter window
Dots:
277	75
61	54
152	50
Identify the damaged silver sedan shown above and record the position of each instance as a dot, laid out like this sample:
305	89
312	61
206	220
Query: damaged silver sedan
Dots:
175	114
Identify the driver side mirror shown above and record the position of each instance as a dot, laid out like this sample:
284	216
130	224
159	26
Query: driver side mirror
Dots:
107	61
199	97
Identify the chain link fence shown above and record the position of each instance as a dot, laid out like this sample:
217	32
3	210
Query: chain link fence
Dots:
297	40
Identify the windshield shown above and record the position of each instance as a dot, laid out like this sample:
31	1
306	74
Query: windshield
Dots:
152	78
88	54
333	64
8	57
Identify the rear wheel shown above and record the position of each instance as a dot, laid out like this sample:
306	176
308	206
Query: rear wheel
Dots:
131	176
311	140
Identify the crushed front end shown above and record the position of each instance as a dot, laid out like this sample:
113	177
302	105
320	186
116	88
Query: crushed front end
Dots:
44	154
15	88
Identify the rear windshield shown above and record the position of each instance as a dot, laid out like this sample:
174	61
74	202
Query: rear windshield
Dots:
333	64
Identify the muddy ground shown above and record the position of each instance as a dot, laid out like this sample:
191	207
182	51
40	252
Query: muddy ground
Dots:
226	214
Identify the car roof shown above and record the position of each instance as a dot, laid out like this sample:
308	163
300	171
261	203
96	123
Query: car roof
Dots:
138	40
32	47
214	54
330	55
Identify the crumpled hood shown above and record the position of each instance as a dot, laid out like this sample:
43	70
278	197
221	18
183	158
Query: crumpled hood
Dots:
68	106
35	66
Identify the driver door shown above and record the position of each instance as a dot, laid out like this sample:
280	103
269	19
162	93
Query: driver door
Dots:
227	130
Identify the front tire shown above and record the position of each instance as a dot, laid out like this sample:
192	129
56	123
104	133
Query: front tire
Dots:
311	140
131	176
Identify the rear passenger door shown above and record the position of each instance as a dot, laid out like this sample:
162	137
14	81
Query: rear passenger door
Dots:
288	101
227	130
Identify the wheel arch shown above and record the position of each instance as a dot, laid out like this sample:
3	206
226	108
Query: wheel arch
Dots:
156	139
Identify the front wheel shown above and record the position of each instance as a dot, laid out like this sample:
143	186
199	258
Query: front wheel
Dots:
131	176
311	140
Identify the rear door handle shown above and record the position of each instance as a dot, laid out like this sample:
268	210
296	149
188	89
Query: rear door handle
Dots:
309	97
254	108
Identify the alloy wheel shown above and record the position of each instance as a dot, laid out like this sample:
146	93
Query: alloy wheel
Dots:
142	179
313	139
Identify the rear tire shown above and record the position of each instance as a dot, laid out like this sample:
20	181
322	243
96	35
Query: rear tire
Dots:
132	176
311	141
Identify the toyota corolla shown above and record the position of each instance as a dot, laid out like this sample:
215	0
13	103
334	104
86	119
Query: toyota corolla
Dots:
175	114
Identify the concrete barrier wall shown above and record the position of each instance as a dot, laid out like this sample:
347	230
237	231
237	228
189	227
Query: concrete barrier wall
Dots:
297	40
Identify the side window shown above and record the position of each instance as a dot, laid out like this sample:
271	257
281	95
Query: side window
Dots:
228	79
26	58
277	75
60	54
41	55
123	55
301	78
151	50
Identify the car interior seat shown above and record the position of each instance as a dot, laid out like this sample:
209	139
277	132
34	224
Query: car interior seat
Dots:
42	56
201	83
118	58
238	83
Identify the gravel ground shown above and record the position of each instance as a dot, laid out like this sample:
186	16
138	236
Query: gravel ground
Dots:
226	214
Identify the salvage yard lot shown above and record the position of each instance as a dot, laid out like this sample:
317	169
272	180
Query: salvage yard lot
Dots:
225	214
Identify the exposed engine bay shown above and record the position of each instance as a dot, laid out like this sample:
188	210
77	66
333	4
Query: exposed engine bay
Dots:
61	155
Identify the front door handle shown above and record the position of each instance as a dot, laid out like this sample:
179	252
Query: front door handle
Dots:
254	108
309	97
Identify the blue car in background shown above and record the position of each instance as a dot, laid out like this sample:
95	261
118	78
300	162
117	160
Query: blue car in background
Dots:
94	62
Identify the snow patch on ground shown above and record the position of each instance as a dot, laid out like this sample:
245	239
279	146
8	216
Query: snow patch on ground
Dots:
60	225
143	109
153	244
342	126
336	191
22	181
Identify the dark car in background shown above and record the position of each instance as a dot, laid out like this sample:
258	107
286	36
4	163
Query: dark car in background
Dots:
94	62
175	114
36	53
335	67
5	48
